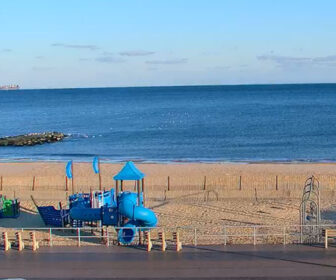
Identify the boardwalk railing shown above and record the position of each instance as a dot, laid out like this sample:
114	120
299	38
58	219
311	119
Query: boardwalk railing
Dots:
263	234
254	234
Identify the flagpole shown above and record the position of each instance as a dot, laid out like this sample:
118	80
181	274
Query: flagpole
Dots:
100	185
72	180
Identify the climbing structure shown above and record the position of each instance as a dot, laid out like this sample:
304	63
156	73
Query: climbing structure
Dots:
122	209
310	213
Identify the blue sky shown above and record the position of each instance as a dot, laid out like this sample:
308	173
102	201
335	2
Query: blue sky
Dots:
81	43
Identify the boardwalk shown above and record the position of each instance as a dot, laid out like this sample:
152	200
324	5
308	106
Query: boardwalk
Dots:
238	262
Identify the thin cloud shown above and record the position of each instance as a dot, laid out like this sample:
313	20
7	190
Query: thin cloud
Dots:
327	59
283	59
109	59
39	57
107	53
136	53
6	50
71	46
292	61
152	69
42	68
169	61
219	68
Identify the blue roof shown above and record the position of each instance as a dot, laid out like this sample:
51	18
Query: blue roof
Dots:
129	172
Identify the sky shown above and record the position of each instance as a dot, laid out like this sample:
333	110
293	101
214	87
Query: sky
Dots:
108	43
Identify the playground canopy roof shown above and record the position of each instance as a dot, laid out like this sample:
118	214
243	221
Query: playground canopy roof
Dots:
129	172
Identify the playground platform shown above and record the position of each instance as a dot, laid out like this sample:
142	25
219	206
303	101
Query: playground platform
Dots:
204	262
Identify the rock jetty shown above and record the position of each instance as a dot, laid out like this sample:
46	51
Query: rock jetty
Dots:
32	139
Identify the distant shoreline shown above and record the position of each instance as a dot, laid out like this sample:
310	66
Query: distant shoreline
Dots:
179	86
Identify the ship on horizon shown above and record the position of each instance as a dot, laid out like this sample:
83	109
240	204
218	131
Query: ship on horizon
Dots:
9	87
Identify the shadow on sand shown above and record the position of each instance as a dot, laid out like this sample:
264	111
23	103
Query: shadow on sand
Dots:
27	219
30	219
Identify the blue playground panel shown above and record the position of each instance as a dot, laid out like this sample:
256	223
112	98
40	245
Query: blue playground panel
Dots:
83	200
53	217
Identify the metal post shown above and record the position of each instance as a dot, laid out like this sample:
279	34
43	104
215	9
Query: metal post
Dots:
195	237
204	184
72	180
240	182
254	236
117	189
301	234
99	175
78	237
139	192
50	238
143	191
168	183
107	237
225	236
284	236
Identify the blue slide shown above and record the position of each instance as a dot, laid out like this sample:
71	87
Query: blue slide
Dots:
139	217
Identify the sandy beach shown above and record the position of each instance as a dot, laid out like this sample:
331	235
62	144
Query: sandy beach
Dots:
202	196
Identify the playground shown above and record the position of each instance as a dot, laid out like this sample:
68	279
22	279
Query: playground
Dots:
89	213
133	212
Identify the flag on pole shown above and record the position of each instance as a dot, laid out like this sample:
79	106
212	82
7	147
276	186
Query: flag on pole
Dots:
95	165
68	169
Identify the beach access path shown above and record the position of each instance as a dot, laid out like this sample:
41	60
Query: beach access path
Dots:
208	262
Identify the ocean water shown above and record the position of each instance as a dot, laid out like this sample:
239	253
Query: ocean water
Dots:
162	124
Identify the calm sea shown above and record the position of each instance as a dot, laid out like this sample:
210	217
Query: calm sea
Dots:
190	123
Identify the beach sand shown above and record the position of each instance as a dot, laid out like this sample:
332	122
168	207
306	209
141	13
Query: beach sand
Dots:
205	197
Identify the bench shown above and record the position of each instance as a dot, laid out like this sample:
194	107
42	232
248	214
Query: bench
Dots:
328	233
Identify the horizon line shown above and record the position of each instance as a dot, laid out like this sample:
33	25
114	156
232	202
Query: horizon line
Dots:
186	85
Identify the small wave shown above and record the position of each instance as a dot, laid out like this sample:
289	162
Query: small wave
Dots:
78	135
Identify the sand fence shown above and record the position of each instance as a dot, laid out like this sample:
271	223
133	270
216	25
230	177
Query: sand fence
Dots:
196	188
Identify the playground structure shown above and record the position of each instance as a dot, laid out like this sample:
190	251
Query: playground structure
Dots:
122	209
310	213
9	208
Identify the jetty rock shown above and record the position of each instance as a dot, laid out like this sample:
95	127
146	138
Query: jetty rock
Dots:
32	139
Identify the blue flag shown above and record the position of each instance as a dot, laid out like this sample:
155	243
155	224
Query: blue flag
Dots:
68	169
95	165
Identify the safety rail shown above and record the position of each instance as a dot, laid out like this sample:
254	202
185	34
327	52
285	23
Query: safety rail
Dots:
81	236
252	234
230	234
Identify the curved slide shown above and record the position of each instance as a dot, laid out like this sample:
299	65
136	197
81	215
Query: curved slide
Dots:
139	217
